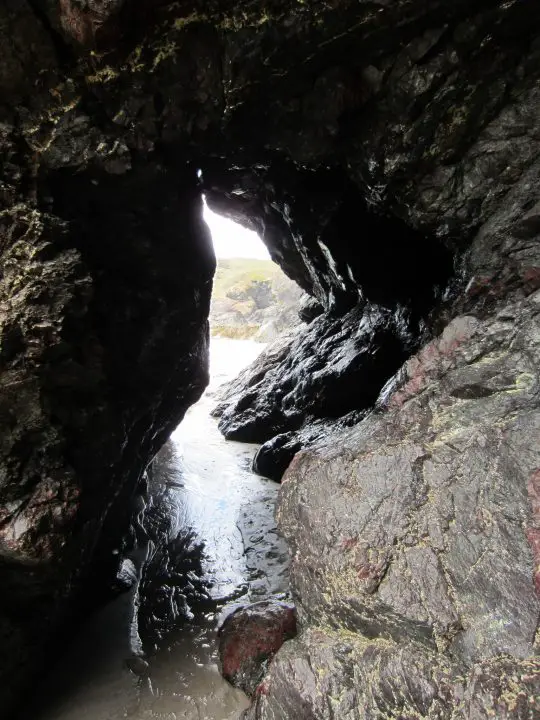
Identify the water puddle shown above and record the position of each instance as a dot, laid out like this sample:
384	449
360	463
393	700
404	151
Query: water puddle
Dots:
207	543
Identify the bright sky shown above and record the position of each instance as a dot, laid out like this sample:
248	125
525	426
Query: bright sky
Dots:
233	240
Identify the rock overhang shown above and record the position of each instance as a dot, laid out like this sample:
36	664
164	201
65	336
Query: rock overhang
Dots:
424	116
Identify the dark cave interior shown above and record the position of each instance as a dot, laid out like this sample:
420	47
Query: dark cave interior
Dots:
387	155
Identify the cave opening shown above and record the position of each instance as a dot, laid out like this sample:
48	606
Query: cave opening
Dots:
377	149
210	517
231	239
252	298
204	531
371	283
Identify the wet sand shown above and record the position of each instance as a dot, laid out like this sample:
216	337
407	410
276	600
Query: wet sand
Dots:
207	543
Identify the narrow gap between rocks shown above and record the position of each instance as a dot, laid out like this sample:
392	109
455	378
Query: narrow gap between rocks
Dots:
387	154
202	541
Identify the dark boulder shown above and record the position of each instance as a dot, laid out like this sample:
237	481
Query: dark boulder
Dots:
273	457
249	639
333	367
310	308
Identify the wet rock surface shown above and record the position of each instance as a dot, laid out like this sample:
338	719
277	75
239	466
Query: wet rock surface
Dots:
310	308
336	366
249	639
274	456
83	404
416	584
337	674
370	145
432	522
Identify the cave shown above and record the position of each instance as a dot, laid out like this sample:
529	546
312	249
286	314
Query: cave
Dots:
387	154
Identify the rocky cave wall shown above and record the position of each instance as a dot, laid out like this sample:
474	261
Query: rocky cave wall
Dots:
380	149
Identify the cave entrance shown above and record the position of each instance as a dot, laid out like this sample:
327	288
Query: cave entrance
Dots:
232	240
252	297
210	518
204	534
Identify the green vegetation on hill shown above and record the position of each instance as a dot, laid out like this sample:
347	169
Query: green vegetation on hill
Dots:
252	298
240	273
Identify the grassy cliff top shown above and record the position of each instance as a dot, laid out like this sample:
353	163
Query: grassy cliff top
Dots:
241	272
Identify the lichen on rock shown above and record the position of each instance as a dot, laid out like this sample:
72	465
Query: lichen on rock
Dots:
387	154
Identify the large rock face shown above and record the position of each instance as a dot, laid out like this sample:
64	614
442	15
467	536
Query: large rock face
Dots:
414	534
104	346
333	369
249	639
370	144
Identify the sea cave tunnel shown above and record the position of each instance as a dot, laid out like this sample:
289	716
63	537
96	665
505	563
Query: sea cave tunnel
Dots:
387	157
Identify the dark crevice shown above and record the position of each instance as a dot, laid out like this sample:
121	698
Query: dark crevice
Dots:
435	50
385	153
64	52
334	239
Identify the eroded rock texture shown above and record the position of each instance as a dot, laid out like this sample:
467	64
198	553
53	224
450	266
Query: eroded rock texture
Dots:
332	370
103	350
425	138
415	533
370	143
249	639
104	296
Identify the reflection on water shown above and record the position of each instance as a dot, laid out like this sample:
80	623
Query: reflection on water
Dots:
206	543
